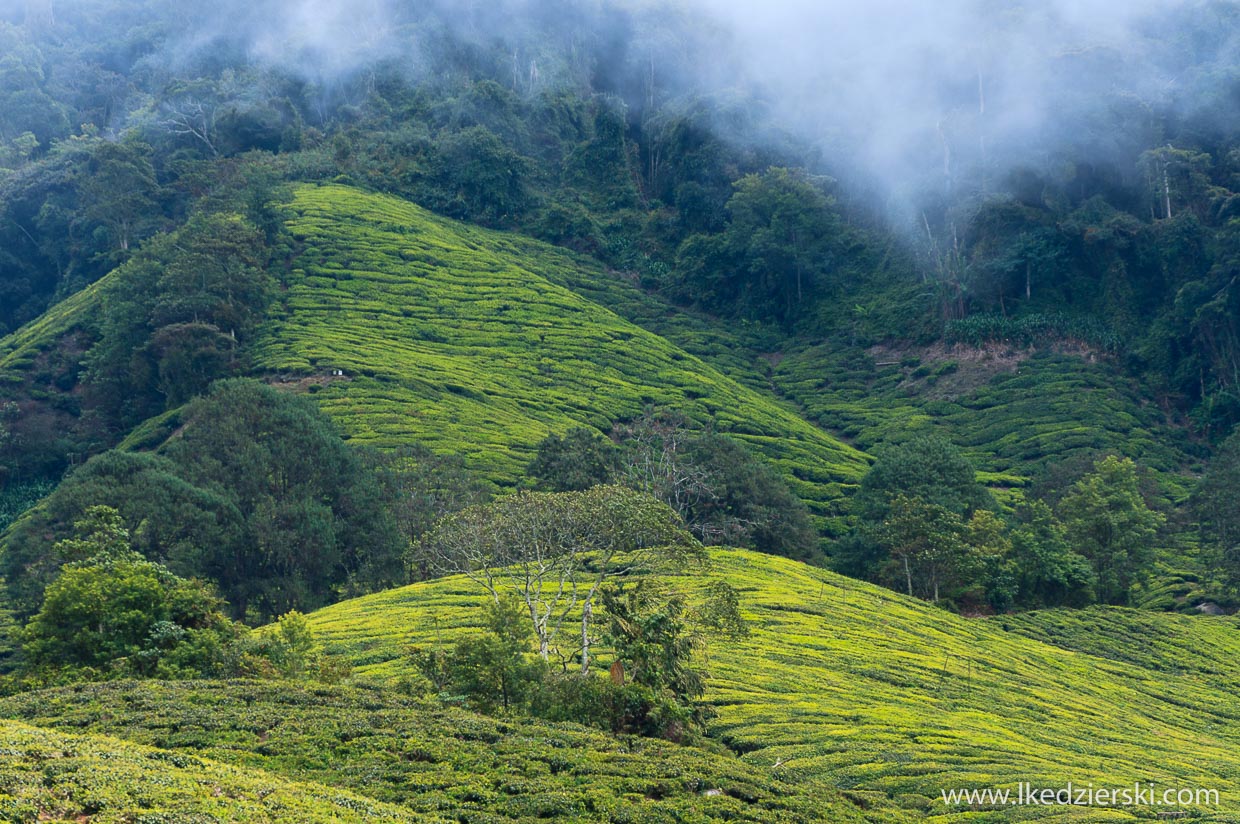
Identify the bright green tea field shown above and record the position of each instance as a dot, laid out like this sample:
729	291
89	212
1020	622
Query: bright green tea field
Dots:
48	775
849	684
436	763
452	336
1012	410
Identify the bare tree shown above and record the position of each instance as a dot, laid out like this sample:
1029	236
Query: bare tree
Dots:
192	110
657	460
555	550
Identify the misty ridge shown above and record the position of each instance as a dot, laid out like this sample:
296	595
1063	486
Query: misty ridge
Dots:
911	103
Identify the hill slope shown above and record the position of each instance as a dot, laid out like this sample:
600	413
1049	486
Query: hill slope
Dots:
1013	409
53	776
849	683
452	336
437	761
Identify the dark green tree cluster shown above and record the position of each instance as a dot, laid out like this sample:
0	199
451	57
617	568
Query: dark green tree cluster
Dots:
256	493
177	317
111	613
722	490
109	610
1217	509
926	527
775	256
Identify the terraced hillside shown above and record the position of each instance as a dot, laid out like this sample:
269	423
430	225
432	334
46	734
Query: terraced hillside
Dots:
454	336
1012	409
856	686
437	763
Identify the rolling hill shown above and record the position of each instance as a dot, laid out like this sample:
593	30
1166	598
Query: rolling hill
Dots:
451	336
847	703
409	328
863	689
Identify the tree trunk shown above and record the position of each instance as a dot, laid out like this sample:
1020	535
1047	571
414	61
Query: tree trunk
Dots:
908	574
540	629
587	612
1167	191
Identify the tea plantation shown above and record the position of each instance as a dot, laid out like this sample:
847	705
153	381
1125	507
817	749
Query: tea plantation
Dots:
440	763
1013	409
47	775
852	685
450	336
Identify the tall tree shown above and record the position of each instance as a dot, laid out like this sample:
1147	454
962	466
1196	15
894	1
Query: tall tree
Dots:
1107	520
926	467
1217	508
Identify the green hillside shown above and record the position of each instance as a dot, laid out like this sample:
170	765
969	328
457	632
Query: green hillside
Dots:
440	763
454	337
1014	410
18	350
53	776
853	685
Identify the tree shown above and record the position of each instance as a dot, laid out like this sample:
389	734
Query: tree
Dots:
926	467
101	535
177	316
555	550
420	488
1107	521
476	177
928	543
215	276
655	460
191	110
580	459
112	607
774	255
167	519
1048	572
986	568
293	649
491	670
1177	178
723	491
1217	508
648	630
312	518
751	497
119	192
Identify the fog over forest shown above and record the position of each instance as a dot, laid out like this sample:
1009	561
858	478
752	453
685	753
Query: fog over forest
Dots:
905	99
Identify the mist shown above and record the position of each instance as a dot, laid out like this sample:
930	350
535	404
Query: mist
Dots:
903	101
929	98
